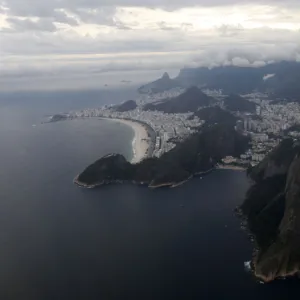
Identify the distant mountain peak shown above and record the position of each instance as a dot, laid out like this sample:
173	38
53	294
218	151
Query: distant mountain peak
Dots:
160	85
189	101
165	76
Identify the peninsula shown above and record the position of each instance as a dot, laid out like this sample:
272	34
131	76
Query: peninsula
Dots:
220	118
198	153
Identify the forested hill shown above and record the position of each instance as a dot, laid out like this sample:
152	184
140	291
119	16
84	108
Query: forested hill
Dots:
199	153
189	101
235	102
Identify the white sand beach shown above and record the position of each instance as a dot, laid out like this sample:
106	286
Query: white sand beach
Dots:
140	143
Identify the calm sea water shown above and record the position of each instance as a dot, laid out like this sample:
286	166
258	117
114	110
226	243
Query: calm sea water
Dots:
119	242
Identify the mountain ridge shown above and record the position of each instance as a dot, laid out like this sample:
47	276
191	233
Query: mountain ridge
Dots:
189	101
198	153
160	85
243	80
283	82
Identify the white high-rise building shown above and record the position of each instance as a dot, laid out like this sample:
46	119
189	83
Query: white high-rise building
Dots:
258	110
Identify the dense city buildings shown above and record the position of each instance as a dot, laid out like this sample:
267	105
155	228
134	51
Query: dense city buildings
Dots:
267	125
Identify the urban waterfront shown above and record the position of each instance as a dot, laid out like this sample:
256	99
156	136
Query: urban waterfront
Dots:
120	242
267	125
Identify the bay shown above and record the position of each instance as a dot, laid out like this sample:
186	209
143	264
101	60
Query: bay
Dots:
118	242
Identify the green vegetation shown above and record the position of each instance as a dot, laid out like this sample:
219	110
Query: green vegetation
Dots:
126	106
108	168
199	153
272	207
277	162
237	103
264	207
190	101
243	80
213	115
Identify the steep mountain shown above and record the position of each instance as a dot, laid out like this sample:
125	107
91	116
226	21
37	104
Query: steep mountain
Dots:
283	82
237	103
213	115
189	101
126	106
110	167
163	84
272	207
199	153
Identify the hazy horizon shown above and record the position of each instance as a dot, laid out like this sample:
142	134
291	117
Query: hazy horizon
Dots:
78	44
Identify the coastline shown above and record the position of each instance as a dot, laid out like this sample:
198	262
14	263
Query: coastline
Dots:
150	185
258	272
140	142
84	185
231	167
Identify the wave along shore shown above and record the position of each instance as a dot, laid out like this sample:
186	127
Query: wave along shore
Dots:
140	142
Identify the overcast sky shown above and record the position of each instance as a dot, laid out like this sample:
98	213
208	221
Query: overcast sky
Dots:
84	43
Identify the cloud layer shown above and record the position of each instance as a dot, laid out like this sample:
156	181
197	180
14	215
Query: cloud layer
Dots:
50	41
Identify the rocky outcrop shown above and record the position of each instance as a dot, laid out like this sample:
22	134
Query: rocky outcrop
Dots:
163	84
272	207
199	153
108	169
277	162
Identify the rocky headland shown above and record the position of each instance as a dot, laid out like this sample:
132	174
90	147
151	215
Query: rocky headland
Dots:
197	154
272	211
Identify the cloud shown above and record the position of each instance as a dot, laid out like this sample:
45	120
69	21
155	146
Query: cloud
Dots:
268	76
62	17
98	11
28	25
47	40
230	30
37	6
100	16
164	26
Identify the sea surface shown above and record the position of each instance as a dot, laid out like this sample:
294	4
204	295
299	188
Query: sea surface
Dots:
58	241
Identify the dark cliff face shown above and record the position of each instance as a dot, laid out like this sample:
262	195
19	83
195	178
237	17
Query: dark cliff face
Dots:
109	168
273	210
277	162
199	153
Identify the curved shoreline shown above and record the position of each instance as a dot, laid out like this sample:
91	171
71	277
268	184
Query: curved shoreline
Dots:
141	142
230	167
148	184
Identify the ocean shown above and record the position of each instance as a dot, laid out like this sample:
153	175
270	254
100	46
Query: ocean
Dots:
119	242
